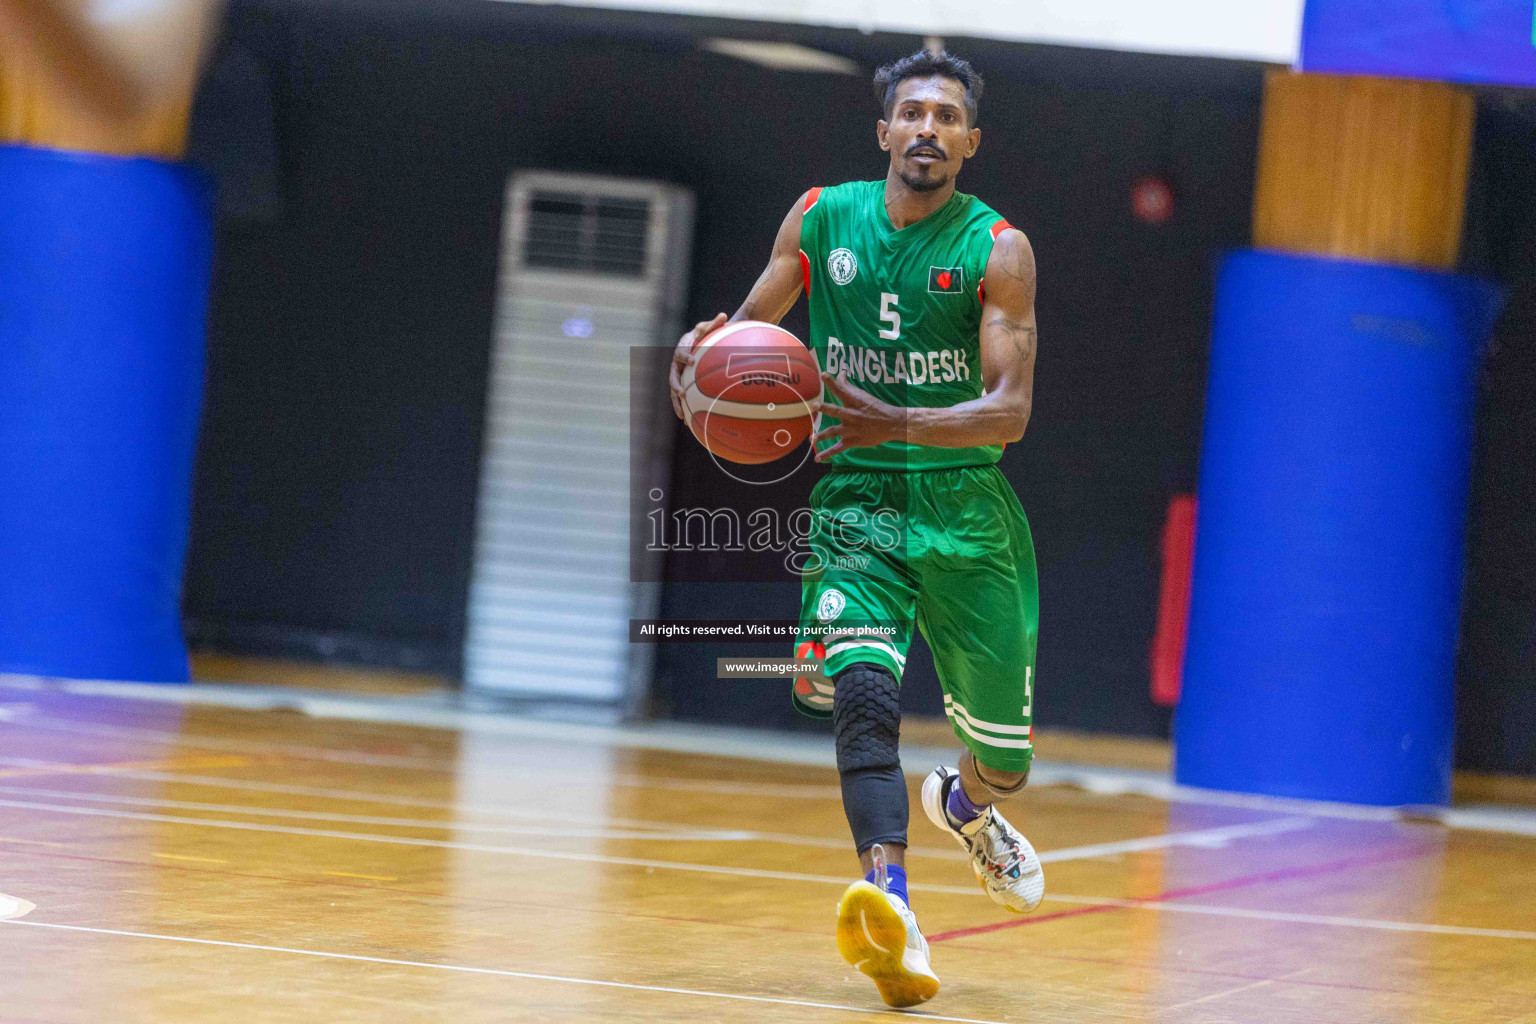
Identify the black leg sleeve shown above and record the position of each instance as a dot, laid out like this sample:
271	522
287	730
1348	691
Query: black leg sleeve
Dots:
866	727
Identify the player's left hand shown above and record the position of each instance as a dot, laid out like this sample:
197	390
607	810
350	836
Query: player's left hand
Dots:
865	420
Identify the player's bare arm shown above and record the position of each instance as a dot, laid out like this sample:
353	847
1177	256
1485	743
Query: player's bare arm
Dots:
1000	415
773	296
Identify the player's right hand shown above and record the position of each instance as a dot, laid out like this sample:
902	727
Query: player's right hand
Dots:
683	355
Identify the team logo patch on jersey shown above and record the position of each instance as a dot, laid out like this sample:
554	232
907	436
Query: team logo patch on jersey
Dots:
843	265
831	605
946	280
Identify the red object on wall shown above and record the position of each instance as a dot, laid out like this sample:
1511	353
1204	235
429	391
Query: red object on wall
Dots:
1173	601
1152	199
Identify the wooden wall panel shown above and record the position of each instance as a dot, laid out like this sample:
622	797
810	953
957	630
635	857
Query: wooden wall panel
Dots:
36	109
114	79
1366	168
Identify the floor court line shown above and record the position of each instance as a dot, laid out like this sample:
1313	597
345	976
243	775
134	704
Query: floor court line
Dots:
440	713
444	897
1340	922
499	972
460	898
733	743
354	795
32	842
1208	837
1174	968
1096	850
358	796
1099	904
1219	836
354	874
1212	997
1092	904
684	834
437	765
1108	849
1102	904
518	851
160	737
1161	902
162	763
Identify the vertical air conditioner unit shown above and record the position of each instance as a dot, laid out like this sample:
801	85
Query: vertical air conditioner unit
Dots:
591	269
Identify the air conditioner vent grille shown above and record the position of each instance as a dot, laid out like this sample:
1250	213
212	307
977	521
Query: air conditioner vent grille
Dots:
587	233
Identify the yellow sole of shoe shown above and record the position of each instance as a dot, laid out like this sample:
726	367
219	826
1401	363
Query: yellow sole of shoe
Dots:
872	937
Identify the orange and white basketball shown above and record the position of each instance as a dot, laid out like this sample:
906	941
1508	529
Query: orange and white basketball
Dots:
747	394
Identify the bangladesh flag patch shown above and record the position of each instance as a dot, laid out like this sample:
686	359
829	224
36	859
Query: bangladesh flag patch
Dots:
946	280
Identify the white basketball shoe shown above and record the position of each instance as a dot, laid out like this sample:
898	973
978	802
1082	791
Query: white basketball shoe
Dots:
877	933
1004	862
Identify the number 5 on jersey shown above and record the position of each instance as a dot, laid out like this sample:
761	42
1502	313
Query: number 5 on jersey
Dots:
890	315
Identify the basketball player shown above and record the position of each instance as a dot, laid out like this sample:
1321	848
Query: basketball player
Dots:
923	321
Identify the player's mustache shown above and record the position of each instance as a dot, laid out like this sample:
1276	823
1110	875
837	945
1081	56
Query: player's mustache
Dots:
926	147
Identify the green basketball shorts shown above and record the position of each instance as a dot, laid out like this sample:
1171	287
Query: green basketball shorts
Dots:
949	549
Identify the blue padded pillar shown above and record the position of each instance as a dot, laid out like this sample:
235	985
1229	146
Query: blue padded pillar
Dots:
1328	555
104	273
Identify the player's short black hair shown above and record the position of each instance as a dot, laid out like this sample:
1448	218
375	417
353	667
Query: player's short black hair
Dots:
927	64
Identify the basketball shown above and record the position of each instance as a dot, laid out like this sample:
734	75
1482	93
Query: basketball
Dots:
747	394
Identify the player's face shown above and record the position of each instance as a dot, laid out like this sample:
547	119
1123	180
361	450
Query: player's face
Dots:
927	134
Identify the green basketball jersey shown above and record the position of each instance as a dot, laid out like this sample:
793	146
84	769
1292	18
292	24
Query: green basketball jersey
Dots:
898	313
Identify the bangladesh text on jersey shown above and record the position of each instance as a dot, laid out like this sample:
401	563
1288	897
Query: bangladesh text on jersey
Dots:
898	311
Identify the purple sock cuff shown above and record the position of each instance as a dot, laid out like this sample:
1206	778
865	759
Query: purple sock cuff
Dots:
959	805
895	880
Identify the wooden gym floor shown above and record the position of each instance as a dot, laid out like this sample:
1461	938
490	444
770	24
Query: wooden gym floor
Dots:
192	862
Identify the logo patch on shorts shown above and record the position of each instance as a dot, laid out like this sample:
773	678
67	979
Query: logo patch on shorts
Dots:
831	605
843	265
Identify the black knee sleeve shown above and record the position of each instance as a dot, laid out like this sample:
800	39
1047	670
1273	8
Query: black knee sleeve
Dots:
875	801
866	726
866	717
